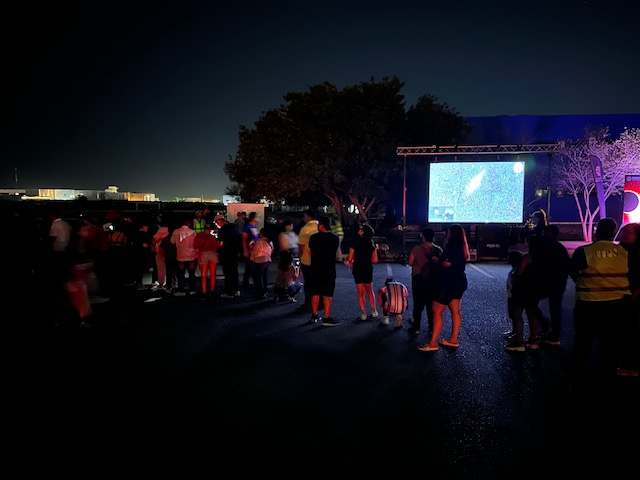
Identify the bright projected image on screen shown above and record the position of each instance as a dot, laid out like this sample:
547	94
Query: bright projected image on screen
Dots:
476	192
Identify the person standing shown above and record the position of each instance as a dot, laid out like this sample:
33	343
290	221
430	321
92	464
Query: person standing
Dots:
206	244
288	239
229	253
141	247
161	264
322	249
338	229
554	274
250	235
630	355
60	254
451	286
261	258
183	239
362	256
309	228
240	221
600	271
423	260
199	222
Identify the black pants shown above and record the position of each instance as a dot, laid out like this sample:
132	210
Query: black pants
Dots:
422	295
229	265
595	321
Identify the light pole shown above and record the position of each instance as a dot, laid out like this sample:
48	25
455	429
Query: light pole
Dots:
404	211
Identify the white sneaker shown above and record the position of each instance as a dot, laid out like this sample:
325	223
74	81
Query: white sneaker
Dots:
224	295
374	314
385	320
237	294
362	316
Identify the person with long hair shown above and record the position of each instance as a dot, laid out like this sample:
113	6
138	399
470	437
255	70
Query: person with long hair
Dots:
452	285
362	256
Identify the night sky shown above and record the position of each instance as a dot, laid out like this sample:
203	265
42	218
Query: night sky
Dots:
148	96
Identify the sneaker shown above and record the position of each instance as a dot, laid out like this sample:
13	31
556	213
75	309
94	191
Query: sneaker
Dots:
225	295
362	317
414	330
553	342
179	294
237	294
315	318
192	292
514	347
374	314
385	320
508	335
532	345
293	300
330	322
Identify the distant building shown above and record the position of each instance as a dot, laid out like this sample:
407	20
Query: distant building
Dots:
110	193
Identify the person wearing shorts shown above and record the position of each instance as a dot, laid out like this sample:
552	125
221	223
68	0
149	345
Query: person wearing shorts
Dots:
322	281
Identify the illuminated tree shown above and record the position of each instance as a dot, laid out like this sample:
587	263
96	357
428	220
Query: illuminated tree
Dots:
573	174
330	143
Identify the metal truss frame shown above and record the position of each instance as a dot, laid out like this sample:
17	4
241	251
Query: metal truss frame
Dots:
435	150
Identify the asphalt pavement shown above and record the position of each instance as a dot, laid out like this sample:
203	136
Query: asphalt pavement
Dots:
244	387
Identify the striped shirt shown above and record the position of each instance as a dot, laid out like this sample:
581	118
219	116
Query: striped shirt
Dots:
394	297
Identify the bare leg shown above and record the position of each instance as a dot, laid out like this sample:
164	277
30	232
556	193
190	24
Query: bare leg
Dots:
213	267
361	304
368	289
315	302
327	306
456	320
203	279
438	322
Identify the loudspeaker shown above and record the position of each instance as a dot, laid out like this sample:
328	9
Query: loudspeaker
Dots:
631	209
492	242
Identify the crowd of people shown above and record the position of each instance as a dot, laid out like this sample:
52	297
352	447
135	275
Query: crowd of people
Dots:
103	257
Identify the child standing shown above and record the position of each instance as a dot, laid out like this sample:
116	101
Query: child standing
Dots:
393	299
260	256
286	286
522	298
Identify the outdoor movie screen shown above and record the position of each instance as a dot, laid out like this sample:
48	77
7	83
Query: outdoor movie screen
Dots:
476	192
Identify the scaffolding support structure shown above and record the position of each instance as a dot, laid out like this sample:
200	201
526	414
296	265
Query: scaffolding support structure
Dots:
437	150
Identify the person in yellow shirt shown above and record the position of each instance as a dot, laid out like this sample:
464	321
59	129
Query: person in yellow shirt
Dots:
309	228
600	271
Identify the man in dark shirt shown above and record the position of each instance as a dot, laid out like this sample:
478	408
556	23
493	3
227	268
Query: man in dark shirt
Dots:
229	253
555	273
323	246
